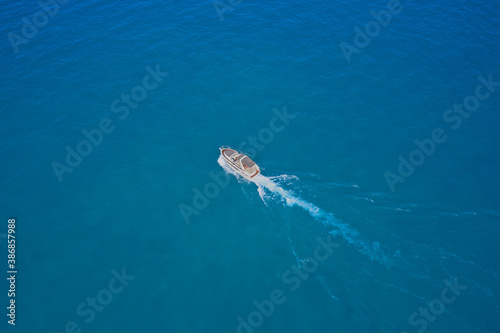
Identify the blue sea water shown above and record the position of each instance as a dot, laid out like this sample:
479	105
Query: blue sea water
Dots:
232	67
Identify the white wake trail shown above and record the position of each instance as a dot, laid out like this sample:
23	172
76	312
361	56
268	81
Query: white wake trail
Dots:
328	219
264	183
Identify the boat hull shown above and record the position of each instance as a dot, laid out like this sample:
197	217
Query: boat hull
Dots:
226	154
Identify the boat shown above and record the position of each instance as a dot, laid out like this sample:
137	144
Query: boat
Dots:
239	162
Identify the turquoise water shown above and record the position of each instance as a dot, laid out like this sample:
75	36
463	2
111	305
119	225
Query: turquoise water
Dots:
322	234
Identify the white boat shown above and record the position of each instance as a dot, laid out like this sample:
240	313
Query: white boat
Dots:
239	162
